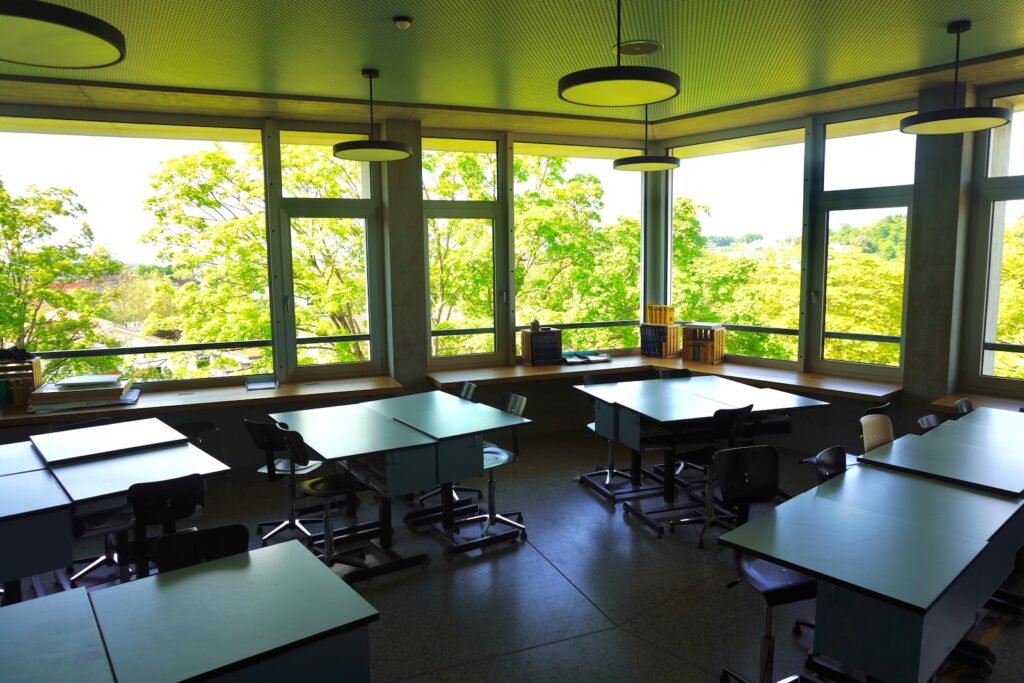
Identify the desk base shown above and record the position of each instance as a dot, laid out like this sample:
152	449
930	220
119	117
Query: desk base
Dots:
649	511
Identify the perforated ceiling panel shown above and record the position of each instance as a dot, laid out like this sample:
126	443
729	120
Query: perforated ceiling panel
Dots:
510	54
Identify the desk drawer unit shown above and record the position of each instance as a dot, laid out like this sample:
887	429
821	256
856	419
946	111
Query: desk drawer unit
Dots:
410	470
35	543
460	458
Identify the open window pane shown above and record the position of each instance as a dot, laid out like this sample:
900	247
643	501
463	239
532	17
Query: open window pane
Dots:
461	261
1004	322
737	221
460	169
329	275
133	236
864	284
309	168
869	153
1006	153
577	242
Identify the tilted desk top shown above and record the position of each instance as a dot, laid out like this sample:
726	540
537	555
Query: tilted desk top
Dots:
1000	419
19	457
52	638
352	430
28	492
121	437
997	470
898	560
98	478
224	613
444	416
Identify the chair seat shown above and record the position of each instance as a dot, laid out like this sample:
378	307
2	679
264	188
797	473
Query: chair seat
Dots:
103	522
328	486
282	465
496	457
777	584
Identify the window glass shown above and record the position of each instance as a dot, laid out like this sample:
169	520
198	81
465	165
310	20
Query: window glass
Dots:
577	243
329	276
737	221
461	261
460	169
868	153
309	168
864	284
1006	154
123	235
1005	320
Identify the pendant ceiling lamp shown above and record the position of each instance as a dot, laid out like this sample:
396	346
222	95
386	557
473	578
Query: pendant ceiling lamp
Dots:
645	161
40	34
372	149
956	119
619	86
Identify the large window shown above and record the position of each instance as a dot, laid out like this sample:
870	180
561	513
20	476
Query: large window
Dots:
1002	213
737	222
868	184
577	244
137	248
459	192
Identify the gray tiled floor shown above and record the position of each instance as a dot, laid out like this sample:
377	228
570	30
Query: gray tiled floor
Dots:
589	594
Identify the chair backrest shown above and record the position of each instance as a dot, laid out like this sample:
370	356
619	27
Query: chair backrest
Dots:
748	474
877	431
300	453
466	390
604	378
880	409
512	403
928	422
728	423
831	462
186	548
165	502
674	373
963	406
268	438
204	435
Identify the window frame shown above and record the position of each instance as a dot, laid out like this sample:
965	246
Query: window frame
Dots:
986	191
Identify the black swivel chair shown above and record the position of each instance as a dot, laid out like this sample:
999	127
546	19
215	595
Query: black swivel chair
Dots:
186	548
326	488
749	475
727	425
610	472
830	463
674	373
928	422
162	503
268	438
963	406
204	435
495	457
466	391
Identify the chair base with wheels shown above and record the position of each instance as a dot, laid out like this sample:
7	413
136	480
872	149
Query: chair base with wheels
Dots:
293	521
494	458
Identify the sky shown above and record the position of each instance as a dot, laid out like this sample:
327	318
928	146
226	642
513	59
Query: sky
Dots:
751	191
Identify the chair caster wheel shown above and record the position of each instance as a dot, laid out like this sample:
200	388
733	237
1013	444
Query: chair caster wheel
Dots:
700	545
522	536
671	529
661	534
519	518
797	630
448	555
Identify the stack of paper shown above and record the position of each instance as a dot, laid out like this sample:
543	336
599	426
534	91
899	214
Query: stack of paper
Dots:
83	391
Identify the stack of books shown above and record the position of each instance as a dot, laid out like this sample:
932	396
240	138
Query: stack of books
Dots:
83	391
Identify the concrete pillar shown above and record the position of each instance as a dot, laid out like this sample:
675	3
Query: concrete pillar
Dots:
405	258
656	240
935	261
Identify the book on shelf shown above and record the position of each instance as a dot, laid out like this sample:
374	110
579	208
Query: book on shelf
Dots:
84	381
53	393
130	397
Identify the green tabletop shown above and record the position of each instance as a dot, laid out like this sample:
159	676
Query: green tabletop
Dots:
443	416
198	620
19	457
1000	470
74	444
26	493
931	503
352	430
52	638
87	479
895	559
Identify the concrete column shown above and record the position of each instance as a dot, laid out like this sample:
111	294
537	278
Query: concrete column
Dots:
405	259
656	240
935	261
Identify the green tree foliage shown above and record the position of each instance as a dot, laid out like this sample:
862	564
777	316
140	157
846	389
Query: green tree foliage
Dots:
42	305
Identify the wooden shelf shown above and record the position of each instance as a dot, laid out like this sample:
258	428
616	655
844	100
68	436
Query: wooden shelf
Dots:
155	402
823	385
945	404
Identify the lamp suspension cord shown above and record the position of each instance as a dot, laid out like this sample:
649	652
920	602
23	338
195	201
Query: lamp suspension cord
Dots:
619	33
645	130
956	68
371	110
